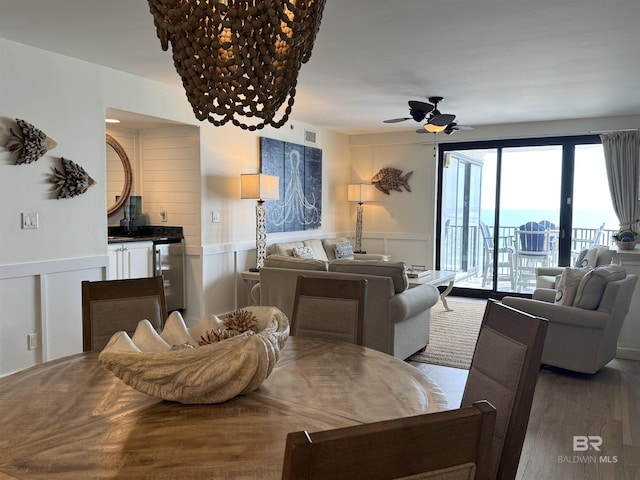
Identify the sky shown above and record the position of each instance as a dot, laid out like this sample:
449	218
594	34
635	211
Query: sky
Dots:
530	186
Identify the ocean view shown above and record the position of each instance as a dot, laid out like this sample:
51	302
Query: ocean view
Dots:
592	218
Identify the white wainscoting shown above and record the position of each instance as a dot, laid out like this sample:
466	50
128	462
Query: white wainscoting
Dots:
43	298
410	248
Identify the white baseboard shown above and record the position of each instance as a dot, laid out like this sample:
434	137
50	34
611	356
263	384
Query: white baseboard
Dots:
628	353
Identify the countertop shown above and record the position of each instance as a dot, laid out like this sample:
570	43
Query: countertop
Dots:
145	233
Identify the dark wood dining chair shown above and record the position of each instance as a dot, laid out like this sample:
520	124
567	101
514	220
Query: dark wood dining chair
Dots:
447	444
504	371
110	306
330	308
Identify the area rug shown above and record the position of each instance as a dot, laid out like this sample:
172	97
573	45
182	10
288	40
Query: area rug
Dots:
453	334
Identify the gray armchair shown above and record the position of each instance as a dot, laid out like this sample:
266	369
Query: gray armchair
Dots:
593	257
581	339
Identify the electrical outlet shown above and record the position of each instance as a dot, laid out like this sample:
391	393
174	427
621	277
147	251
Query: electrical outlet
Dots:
30	220
163	214
215	217
32	341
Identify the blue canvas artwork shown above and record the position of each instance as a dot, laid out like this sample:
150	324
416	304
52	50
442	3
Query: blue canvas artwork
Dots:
299	169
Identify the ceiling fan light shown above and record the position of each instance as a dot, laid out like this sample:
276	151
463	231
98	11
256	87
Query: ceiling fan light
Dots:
429	127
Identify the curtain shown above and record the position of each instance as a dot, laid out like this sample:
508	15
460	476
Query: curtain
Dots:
622	158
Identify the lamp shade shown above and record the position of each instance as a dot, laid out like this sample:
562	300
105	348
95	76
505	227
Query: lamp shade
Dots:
360	192
259	186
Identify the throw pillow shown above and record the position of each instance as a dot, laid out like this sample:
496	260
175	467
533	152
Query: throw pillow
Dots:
580	262
597	256
568	285
344	250
592	285
590	258
303	252
318	250
329	245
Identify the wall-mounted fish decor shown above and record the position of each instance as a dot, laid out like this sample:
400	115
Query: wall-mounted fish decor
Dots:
72	180
30	143
390	178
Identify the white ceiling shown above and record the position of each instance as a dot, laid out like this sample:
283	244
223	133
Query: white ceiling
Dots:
494	61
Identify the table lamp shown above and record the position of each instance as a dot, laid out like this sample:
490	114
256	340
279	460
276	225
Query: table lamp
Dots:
260	187
360	192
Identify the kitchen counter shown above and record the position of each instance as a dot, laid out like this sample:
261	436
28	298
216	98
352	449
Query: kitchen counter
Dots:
145	233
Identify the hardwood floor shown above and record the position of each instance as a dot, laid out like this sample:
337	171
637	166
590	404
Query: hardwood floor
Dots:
605	405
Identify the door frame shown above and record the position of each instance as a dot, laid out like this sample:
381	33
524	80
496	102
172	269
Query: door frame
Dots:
568	144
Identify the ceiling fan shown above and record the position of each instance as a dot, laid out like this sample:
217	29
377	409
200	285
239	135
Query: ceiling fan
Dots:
436	121
449	129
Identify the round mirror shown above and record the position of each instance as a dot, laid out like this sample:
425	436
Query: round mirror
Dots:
119	175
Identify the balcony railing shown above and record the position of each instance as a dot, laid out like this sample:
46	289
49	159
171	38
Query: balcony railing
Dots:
463	251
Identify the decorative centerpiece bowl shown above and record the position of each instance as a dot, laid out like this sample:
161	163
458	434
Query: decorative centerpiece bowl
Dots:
626	239
180	364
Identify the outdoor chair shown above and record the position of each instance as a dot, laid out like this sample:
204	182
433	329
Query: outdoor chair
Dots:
585	241
110	306
534	247
504	371
442	445
505	258
330	308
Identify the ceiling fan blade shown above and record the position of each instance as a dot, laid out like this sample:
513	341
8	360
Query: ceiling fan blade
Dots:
442	119
421	130
396	120
420	106
454	127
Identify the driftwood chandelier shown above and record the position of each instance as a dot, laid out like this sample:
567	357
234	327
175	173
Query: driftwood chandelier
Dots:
238	58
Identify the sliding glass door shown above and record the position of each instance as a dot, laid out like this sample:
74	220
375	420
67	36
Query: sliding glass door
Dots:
509	207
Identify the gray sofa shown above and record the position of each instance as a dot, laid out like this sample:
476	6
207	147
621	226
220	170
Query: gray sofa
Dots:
396	318
320	249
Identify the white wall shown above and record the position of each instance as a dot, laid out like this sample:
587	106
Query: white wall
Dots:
41	270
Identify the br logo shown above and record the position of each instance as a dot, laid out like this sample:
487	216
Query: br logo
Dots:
582	443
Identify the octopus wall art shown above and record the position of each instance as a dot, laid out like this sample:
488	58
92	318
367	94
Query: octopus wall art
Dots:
299	169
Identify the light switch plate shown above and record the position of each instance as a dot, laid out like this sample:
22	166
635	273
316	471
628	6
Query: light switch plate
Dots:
32	341
30	220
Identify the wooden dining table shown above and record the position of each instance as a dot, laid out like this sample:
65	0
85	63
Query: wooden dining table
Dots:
72	419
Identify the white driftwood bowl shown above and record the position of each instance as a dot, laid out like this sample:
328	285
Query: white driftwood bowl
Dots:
211	373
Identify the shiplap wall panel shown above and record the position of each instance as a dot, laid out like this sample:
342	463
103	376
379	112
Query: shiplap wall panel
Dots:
171	178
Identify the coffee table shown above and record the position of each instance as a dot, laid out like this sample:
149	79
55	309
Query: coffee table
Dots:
437	278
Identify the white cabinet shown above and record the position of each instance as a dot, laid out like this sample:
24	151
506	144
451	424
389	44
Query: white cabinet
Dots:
629	339
130	260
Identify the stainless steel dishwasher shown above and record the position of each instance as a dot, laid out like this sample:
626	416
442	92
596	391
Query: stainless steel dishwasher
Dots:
169	261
